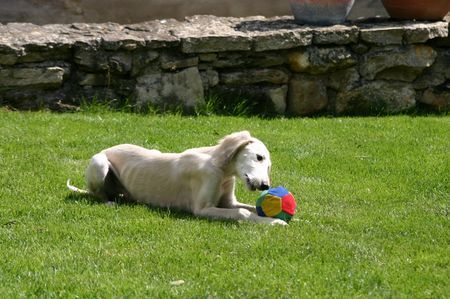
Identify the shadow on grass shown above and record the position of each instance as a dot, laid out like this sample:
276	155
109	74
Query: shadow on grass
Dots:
163	212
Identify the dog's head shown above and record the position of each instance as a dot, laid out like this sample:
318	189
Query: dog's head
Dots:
248	158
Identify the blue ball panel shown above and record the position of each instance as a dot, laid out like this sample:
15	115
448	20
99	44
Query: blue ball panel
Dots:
278	191
260	212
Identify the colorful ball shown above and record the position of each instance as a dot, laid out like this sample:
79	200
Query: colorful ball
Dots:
276	203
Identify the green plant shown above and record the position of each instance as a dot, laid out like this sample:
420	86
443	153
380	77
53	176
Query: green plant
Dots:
227	106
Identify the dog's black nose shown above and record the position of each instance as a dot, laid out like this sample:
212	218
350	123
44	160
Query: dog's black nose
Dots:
264	186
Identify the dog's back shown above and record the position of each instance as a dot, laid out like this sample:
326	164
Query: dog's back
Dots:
159	179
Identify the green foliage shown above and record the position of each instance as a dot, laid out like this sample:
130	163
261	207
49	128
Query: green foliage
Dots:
233	106
372	221
100	105
215	104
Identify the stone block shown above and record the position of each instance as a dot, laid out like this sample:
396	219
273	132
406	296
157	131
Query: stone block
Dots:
93	80
267	59
400	73
253	76
91	59
399	63
208	57
156	33
375	98
438	100
405	33
279	40
437	74
141	60
299	61
345	79
209	34
119	40
32	43
306	96
210	43
261	60
335	35
120	63
45	55
277	96
230	60
8	59
315	60
210	78
169	90
43	77
360	48
175	62
275	33
383	35
422	32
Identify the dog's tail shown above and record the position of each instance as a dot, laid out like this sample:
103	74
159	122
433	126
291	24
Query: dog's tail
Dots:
75	189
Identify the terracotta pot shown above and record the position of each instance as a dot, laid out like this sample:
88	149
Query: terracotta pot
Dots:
320	12
430	10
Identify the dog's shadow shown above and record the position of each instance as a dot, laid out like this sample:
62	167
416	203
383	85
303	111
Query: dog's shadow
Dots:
173	213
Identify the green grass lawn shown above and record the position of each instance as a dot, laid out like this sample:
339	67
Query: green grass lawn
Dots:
373	197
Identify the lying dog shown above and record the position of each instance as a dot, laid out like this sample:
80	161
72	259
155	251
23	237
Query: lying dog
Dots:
199	180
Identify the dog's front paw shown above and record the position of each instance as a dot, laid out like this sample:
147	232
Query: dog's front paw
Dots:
278	222
244	213
273	221
267	220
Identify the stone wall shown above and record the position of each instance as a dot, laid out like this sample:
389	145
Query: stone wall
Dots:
357	68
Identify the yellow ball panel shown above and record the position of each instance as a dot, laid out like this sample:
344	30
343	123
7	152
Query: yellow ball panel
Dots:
271	205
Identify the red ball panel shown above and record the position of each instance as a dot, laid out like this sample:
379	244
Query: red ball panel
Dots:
288	204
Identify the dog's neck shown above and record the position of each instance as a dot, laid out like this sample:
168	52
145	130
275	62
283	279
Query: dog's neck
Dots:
229	169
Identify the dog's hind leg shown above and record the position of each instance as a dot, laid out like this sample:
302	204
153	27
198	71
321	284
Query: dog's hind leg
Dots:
102	180
96	174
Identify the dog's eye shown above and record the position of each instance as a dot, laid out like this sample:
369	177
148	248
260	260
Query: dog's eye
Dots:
259	157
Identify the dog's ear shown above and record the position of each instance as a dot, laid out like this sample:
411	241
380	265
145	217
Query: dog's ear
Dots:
229	146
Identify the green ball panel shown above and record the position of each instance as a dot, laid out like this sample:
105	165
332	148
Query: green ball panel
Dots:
284	216
261	198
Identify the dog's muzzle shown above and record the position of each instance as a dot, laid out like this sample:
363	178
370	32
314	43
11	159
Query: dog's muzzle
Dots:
254	186
264	186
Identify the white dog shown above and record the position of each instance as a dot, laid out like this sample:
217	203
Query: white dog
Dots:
199	180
